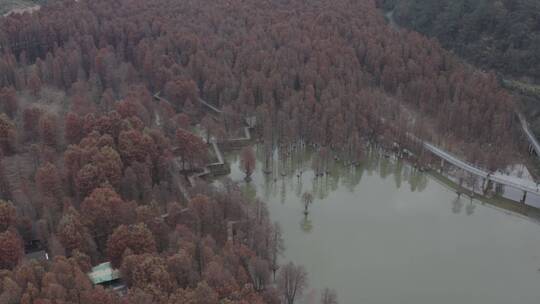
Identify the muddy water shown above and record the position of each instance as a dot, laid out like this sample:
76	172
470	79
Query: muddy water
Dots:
386	233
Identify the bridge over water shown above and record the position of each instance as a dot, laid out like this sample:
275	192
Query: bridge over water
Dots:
525	185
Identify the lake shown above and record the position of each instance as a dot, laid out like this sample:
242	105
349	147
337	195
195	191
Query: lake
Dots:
384	232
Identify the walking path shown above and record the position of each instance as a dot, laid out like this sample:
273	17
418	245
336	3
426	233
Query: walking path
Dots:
215	168
525	185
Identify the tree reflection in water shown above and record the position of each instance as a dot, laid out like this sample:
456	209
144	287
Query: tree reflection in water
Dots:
370	219
306	224
469	209
291	172
457	205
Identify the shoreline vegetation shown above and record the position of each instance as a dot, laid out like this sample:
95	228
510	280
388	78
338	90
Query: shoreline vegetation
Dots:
401	155
495	200
445	178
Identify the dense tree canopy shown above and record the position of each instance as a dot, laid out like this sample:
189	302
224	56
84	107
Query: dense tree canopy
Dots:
102	108
319	71
502	35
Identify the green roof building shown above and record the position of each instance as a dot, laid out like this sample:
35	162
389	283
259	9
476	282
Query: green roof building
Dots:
104	274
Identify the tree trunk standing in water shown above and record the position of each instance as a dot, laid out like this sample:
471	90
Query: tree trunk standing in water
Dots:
329	296
292	281
471	182
324	153
283	159
276	248
307	199
247	162
267	156
317	165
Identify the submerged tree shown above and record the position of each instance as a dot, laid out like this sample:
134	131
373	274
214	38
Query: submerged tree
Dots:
276	248
329	296
307	199
247	162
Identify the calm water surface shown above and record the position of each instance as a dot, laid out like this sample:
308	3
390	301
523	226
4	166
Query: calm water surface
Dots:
385	233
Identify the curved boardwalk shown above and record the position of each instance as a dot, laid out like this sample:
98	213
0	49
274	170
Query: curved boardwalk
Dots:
215	168
527	186
530	135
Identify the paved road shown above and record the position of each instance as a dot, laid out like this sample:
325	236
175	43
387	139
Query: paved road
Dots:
530	135
512	181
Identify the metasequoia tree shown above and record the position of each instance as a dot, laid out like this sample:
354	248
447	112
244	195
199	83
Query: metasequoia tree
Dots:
147	272
247	161
292	280
48	129
329	296
209	125
276	248
181	91
260	272
48	181
109	164
9	101
181	266
307	200
135	238
134	146
31	117
201	207
7	134
11	249
72	233
34	83
191	148
183	120
8	215
87	179
102	211
73	130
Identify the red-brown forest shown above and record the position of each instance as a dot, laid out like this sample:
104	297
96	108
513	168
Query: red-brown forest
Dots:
87	150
